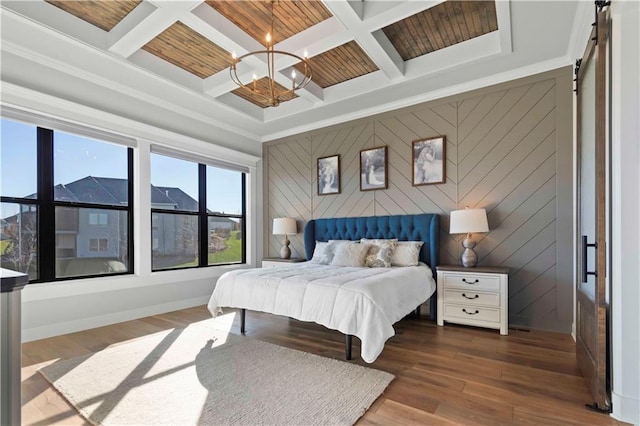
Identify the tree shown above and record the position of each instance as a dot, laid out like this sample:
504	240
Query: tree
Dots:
20	233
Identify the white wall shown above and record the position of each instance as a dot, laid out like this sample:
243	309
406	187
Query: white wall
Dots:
50	309
625	273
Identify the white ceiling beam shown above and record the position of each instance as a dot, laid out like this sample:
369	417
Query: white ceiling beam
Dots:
216	27
503	16
343	11
60	20
129	22
166	13
379	14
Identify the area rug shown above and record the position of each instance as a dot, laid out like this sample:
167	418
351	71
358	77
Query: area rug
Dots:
204	376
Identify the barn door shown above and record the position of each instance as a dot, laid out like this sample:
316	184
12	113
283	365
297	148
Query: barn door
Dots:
592	135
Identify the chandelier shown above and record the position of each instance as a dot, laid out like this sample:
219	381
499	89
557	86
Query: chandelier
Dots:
272	93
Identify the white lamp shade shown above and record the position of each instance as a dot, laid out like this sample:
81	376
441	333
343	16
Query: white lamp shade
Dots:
468	221
284	226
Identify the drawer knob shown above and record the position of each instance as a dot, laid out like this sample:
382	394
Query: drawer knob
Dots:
470	313
470	298
476	281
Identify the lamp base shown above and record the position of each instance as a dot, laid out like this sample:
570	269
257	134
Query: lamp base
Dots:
469	258
285	251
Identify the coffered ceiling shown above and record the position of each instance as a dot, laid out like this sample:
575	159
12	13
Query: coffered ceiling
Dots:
366	56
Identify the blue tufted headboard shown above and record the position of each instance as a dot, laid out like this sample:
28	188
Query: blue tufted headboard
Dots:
416	227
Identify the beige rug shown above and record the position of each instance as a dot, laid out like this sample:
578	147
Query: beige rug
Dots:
200	375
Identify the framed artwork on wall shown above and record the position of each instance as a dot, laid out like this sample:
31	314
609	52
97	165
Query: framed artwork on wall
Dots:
329	175
429	160
373	168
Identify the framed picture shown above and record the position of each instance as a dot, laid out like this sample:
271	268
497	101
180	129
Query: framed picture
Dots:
329	175
373	168
429	160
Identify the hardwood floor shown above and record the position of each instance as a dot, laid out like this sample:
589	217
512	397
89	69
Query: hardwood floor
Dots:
444	375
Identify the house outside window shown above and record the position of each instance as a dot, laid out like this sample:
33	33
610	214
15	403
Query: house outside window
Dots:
197	214
70	213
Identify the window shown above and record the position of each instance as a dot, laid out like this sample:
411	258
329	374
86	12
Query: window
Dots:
98	219
197	214
19	206
225	215
66	203
98	244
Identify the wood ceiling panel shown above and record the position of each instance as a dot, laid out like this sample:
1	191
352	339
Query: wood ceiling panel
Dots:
187	49
263	86
339	64
254	17
103	14
441	26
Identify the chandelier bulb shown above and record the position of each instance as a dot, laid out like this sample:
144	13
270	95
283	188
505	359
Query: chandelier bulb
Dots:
270	93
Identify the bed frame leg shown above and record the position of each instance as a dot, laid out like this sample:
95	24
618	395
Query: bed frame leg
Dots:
243	314
347	346
433	305
417	311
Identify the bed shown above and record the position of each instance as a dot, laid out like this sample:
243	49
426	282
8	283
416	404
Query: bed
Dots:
362	302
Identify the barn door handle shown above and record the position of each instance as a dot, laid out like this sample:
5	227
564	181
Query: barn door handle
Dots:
585	269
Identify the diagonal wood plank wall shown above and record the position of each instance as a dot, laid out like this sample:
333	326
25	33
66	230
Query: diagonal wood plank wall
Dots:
509	150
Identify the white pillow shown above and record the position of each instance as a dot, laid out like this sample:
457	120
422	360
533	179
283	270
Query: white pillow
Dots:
407	253
380	253
350	255
323	253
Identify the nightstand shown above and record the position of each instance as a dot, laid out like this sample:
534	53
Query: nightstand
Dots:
274	262
474	296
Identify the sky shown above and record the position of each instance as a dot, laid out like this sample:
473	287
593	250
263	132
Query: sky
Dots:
76	157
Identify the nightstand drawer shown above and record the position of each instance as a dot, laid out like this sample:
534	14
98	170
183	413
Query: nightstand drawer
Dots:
470	281
474	313
470	297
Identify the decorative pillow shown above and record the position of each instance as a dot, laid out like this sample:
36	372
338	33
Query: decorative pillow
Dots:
406	253
350	255
380	253
323	253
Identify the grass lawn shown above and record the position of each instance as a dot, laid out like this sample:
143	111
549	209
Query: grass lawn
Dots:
233	252
3	246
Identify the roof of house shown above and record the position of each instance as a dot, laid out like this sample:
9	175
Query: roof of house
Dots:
114	191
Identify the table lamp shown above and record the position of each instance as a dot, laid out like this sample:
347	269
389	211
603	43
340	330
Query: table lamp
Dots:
468	221
284	226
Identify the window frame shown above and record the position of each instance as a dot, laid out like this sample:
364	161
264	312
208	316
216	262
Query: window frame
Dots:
203	220
46	207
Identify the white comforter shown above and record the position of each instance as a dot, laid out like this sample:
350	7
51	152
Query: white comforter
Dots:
364	302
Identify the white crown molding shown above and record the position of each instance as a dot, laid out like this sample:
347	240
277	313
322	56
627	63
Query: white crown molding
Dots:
580	30
425	97
36	102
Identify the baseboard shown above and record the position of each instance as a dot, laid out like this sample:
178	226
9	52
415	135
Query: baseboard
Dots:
625	409
545	324
58	329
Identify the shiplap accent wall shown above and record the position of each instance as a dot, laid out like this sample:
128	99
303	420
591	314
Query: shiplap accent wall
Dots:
509	150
